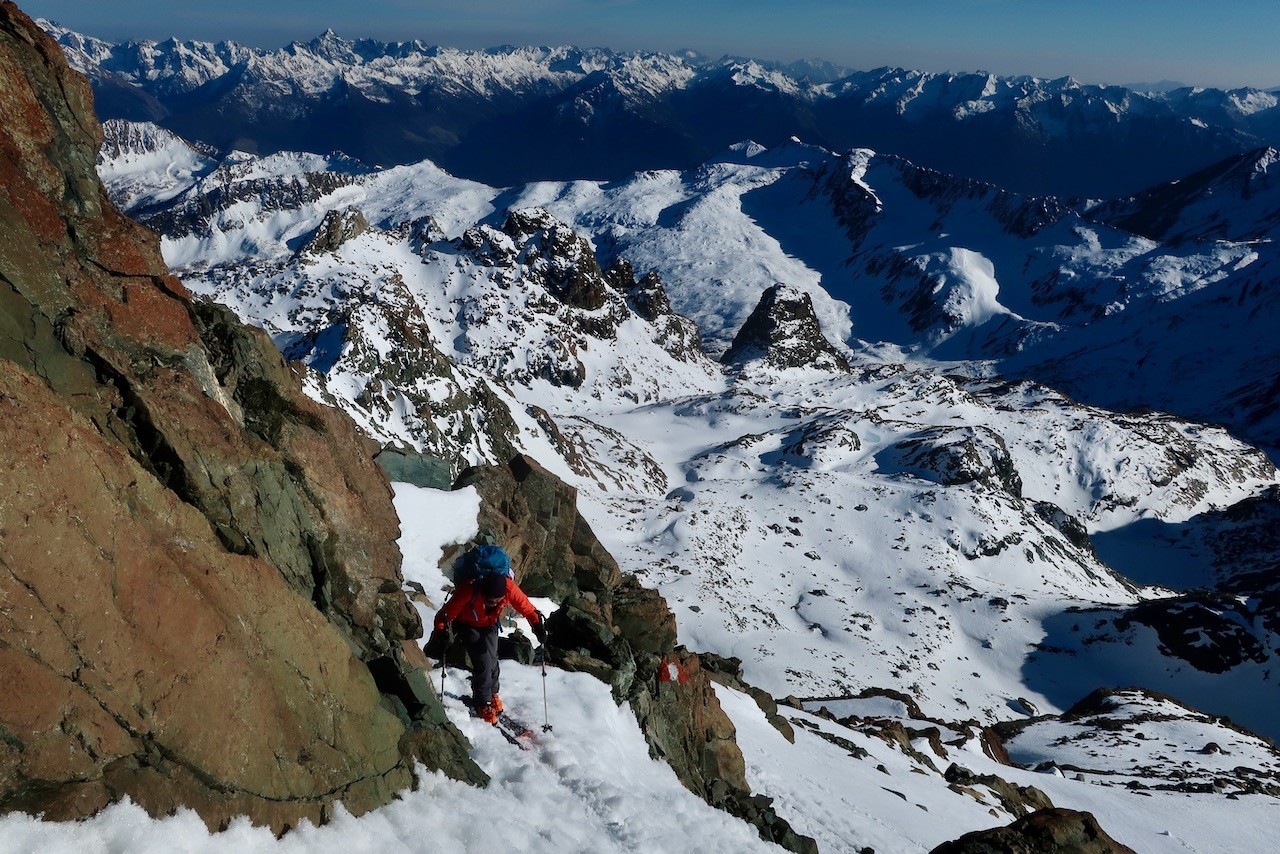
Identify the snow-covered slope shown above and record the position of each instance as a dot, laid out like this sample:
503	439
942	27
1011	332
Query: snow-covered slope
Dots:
147	165
840	514
1237	199
515	114
409	313
853	774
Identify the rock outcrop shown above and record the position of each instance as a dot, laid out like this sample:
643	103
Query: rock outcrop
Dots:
957	455
200	595
337	227
783	331
610	626
1047	831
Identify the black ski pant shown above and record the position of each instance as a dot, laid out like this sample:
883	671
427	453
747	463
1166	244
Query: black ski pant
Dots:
482	647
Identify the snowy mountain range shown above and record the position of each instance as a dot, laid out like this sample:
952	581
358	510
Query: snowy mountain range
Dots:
515	114
800	393
869	507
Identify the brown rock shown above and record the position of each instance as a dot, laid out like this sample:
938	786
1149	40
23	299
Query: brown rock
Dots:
143	650
199	584
1048	831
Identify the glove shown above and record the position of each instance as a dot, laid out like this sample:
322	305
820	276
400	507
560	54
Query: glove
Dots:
540	629
438	643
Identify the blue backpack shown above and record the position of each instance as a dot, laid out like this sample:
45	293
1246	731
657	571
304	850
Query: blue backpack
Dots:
483	561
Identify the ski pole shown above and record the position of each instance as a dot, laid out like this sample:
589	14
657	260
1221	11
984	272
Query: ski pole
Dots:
546	719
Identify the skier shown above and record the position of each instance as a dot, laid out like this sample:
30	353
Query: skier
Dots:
475	607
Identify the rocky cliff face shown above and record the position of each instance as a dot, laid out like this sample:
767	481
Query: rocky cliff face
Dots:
199	585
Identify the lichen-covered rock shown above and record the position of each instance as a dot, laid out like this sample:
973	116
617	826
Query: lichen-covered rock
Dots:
184	530
405	466
126	622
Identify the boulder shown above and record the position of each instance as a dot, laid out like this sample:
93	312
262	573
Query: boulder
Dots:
1046	831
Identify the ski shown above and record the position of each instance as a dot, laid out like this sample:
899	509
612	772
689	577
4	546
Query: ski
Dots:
510	736
517	727
511	728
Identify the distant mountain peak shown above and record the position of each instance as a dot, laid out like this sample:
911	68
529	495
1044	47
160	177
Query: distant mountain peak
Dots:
605	113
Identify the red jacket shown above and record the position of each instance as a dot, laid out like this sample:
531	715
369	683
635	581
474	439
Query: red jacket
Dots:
467	606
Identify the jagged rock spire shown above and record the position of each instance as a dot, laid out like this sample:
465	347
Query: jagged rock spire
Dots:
784	332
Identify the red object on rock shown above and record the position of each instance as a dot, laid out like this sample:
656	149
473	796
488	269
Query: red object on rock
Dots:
672	671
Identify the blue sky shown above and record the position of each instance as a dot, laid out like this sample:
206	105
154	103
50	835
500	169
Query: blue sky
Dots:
1226	43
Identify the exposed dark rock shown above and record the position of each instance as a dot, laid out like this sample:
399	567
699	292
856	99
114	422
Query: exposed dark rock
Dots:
784	332
1211	631
335	229
1047	831
647	297
406	466
1018	800
1067	525
196	212
222	541
568	264
956	455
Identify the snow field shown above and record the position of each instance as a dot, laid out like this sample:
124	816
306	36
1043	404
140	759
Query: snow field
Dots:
848	803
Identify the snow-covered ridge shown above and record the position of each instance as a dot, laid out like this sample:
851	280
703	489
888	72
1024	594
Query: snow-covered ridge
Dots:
414	66
606	113
147	165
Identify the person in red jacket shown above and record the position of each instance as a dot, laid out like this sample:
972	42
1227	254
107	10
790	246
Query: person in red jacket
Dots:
474	608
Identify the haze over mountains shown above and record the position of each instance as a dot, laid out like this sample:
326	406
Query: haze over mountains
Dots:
514	114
